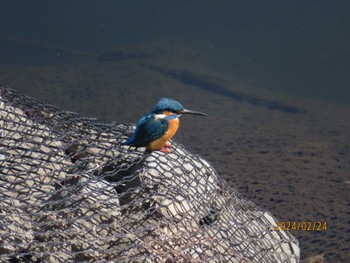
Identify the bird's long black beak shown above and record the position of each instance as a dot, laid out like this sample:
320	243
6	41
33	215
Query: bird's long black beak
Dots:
184	111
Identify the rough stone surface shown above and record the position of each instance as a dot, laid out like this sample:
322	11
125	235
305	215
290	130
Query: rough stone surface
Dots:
69	191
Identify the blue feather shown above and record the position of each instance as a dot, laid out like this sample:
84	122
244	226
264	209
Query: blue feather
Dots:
166	104
147	130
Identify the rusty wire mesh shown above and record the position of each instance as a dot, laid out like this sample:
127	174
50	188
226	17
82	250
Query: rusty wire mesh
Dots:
69	192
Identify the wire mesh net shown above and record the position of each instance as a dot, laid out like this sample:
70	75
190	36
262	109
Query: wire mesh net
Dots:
70	192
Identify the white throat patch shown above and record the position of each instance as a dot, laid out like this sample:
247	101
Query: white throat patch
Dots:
159	116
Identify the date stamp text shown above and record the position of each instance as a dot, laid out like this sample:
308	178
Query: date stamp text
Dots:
301	225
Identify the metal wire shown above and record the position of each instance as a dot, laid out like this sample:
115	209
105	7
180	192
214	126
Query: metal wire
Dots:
70	192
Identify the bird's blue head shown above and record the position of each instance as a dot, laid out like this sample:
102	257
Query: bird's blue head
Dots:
166	104
174	107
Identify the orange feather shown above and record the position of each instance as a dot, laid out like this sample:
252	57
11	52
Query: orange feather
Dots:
159	143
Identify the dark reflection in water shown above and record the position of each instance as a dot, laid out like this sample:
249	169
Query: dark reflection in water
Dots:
188	78
299	47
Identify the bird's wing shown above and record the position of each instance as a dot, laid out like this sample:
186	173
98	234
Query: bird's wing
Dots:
147	130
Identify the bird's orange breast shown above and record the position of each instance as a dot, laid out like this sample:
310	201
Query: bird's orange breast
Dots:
159	143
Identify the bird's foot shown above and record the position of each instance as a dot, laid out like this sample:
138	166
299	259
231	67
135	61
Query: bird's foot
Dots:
165	150
168	144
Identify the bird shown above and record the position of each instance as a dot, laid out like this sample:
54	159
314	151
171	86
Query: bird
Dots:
155	129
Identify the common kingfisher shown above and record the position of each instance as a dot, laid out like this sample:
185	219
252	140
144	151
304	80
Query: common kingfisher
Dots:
155	129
